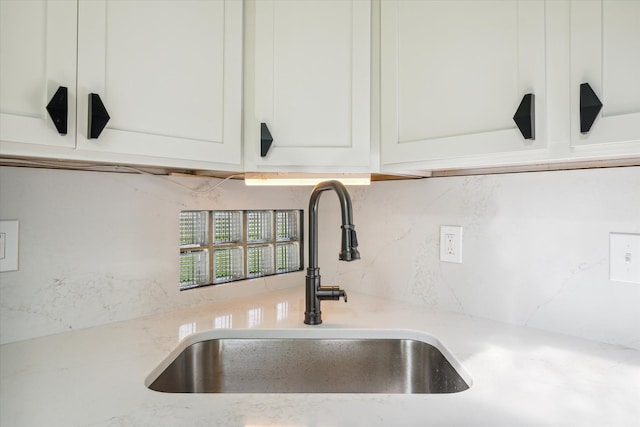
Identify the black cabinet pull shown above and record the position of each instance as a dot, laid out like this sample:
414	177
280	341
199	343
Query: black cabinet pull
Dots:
58	110
265	139
525	116
590	106
98	116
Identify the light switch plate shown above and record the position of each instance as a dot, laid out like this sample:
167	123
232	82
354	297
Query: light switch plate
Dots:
3	241
9	241
624	257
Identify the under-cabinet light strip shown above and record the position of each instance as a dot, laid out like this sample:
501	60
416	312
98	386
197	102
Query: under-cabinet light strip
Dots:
304	179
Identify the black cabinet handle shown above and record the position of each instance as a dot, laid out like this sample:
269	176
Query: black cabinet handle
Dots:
265	139
525	116
58	110
590	106
98	116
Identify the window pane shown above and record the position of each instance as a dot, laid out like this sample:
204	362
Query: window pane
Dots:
259	226
287	257
227	226
194	228
259	260
287	225
194	268
228	264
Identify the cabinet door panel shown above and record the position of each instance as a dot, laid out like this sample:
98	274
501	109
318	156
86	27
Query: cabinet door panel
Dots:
446	54
37	55
168	72
453	75
605	47
312	78
314	65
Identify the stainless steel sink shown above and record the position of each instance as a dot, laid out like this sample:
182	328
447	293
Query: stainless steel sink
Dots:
324	363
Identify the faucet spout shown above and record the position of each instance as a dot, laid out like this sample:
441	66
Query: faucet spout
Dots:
348	252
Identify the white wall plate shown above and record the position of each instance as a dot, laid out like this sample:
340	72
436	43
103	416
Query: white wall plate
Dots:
9	243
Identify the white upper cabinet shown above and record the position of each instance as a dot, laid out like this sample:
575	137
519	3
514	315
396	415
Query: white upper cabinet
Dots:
307	79
392	86
37	56
453	74
169	74
605	53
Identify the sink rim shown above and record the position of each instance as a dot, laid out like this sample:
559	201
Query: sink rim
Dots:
318	333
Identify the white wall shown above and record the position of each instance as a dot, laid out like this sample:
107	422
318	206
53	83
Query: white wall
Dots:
535	248
101	247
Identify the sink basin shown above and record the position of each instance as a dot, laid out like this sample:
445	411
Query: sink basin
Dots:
302	361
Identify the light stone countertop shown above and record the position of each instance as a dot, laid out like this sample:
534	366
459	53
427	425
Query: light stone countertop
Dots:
521	376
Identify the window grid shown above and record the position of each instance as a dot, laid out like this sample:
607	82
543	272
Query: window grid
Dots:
225	246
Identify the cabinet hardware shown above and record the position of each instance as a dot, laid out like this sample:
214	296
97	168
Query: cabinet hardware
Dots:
265	139
590	106
98	116
525	116
58	110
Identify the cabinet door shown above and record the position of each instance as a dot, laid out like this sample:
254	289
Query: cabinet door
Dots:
37	55
309	82
605	52
453	74
169	74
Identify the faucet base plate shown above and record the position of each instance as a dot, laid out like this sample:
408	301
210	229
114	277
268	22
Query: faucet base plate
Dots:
313	318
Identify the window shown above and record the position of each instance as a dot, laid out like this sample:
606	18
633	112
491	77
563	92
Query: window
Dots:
225	246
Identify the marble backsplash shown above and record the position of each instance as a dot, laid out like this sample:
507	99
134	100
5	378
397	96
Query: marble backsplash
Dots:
535	248
101	247
98	247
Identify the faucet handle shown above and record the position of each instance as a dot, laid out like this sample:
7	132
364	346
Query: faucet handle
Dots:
331	293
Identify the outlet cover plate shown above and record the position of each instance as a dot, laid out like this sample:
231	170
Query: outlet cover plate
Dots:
624	257
451	243
9	240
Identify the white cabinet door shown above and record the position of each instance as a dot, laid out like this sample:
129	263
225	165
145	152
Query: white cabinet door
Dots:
308	79
169	74
605	52
37	55
453	74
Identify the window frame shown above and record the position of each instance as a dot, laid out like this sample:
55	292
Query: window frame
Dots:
245	244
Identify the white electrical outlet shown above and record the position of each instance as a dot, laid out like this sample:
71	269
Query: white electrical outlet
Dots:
9	242
451	243
624	257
